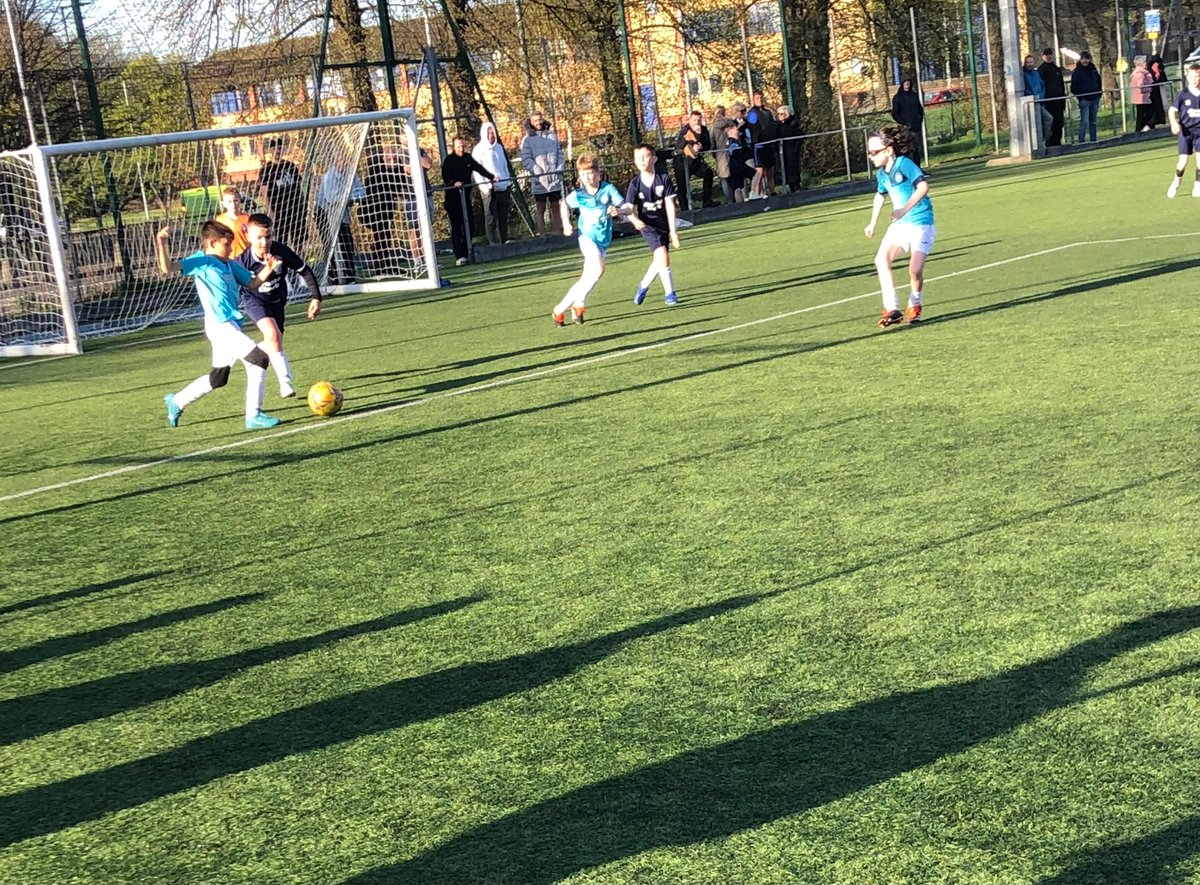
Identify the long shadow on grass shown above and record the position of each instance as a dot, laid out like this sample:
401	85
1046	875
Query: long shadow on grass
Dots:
1132	275
78	592
714	792
1138	861
483	377
76	642
32	715
54	807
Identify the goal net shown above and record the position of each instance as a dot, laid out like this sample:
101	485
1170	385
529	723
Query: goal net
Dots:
78	222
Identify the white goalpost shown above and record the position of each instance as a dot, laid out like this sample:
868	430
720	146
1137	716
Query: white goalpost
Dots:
78	221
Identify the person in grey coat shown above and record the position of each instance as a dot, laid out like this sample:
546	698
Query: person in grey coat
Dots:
541	155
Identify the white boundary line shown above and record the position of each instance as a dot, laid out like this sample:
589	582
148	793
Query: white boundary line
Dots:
553	370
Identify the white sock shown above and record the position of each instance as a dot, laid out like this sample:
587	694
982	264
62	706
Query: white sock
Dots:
255	382
193	391
889	295
667	280
648	277
283	369
914	299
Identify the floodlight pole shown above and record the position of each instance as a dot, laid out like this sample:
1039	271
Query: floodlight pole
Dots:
389	51
974	75
787	60
16	44
1010	42
89	80
633	105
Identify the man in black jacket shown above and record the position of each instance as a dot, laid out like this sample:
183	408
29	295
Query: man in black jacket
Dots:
692	143
1085	86
1056	92
456	173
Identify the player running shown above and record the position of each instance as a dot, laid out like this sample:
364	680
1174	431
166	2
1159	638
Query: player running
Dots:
911	229
652	197
598	203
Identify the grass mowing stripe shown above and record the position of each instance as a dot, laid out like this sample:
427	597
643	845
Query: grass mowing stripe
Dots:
566	367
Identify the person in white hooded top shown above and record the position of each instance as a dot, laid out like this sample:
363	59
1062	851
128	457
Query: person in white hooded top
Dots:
489	153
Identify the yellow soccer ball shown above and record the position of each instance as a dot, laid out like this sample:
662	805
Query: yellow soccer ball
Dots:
325	399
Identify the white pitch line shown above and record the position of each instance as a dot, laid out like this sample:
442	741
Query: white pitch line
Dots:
542	373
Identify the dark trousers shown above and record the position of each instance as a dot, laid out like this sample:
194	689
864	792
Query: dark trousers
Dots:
686	169
340	250
460	222
495	214
1055	106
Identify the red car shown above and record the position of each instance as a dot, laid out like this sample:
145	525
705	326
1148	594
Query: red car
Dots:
942	96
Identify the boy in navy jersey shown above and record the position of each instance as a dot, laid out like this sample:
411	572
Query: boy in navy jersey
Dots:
598	203
1185	123
911	229
266	304
652	197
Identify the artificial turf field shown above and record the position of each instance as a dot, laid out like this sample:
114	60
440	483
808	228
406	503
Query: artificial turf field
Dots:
745	590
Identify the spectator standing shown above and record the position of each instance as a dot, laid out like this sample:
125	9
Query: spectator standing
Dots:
738	153
380	207
692	143
1141	84
1085	86
489	154
761	124
721	123
909	112
337	239
282	196
1056	92
412	211
541	155
789	132
457	169
1158	95
1036	89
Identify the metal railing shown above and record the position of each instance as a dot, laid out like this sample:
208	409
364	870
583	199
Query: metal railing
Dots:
1114	115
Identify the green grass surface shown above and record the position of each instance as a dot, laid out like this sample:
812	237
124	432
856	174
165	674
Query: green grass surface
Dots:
741	591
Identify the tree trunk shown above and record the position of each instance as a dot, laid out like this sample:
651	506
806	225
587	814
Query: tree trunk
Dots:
349	16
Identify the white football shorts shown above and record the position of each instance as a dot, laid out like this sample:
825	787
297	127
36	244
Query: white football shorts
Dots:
229	342
911	237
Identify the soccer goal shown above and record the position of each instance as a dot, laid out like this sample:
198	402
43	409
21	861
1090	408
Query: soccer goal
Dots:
78	221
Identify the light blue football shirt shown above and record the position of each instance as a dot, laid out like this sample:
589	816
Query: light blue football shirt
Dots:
899	182
217	284
594	220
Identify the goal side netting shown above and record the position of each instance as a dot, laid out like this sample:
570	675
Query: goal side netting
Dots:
78	222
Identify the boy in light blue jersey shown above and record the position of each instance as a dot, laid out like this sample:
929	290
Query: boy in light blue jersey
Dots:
217	281
597	203
911	229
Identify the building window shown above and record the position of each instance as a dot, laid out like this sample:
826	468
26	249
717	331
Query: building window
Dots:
235	148
586	102
762	19
331	85
715	84
693	86
225	102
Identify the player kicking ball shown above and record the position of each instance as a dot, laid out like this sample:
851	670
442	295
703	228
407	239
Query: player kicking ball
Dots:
1185	125
266	304
911	229
217	281
652	197
597	203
